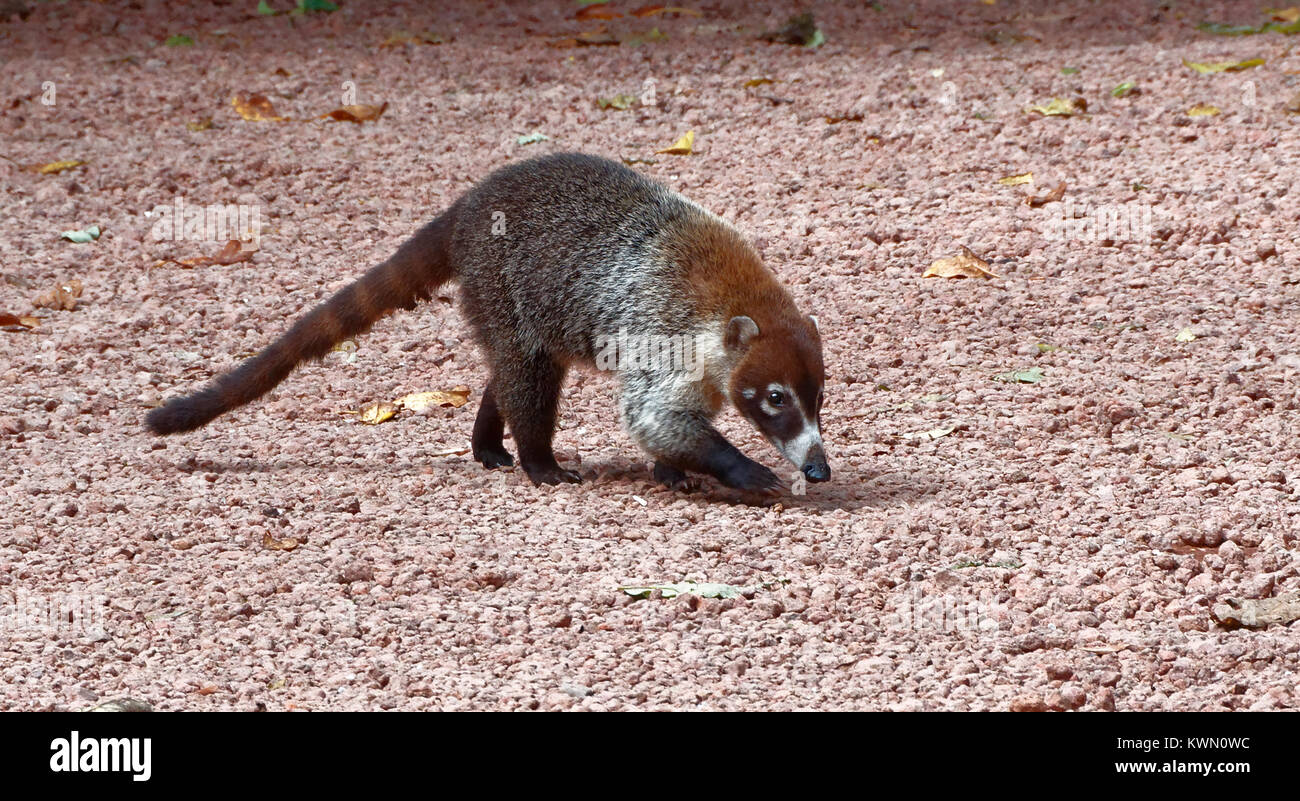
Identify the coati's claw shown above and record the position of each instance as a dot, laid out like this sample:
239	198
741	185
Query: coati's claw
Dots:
674	479
494	457
751	476
551	474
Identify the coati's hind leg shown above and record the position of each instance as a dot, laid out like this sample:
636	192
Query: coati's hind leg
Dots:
489	428
527	390
674	479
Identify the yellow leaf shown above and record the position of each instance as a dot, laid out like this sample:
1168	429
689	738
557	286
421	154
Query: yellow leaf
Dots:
1017	180
965	265
1059	107
752	82
56	167
1203	110
1185	335
1209	67
419	401
378	412
286	544
682	147
1291	14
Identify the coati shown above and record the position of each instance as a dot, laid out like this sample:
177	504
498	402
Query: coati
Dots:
552	255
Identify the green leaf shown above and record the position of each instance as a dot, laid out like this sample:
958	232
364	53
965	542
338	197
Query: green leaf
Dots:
1043	347
702	590
179	40
1223	29
1123	89
532	138
1210	67
1287	28
1031	375
82	237
264	9
1069	70
307	6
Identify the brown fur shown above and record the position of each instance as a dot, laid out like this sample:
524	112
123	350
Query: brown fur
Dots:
417	267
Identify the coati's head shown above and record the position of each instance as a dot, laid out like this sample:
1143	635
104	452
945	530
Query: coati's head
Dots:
777	385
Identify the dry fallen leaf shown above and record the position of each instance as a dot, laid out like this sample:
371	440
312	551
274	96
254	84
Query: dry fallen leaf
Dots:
1232	613
1051	197
378	412
357	114
272	544
596	12
419	401
55	167
1293	105
1059	107
752	82
1017	180
1291	14
650	11
461	451
1203	110
965	265
14	321
255	108
682	147
62	296
232	253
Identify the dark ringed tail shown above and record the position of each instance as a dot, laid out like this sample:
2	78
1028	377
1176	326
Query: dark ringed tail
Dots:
419	266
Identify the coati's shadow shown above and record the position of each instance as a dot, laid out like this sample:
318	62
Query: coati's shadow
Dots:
848	489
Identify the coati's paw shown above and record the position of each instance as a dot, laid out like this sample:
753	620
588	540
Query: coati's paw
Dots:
551	474
751	476
674	479
494	457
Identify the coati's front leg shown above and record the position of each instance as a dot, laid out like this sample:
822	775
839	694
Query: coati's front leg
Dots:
526	389
489	429
685	440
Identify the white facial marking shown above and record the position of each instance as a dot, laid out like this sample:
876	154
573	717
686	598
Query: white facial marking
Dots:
796	450
766	406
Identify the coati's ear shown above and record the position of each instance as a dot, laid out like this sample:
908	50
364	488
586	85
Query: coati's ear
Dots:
816	327
740	330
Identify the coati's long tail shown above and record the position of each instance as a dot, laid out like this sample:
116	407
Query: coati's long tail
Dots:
419	266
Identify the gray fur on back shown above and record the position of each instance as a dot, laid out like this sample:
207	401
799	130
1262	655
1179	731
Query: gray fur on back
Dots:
558	250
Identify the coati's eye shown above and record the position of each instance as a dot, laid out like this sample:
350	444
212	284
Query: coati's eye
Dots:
776	398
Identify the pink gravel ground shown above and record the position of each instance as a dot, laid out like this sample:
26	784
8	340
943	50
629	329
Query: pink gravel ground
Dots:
1060	548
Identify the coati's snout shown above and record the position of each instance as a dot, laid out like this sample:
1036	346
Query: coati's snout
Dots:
814	464
777	386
